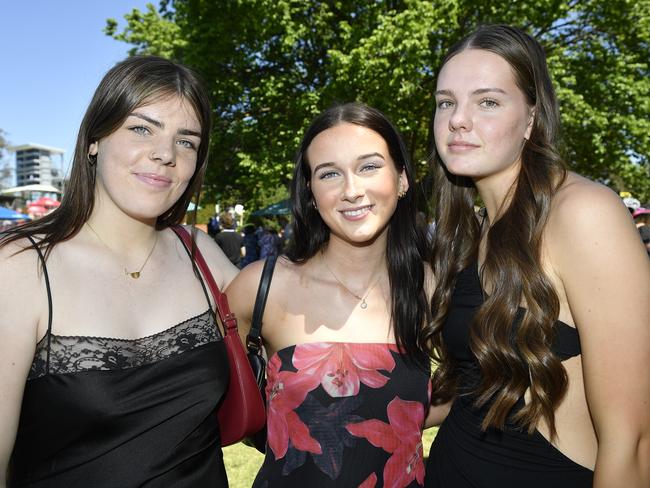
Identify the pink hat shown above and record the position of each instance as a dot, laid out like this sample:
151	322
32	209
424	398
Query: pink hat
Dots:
640	211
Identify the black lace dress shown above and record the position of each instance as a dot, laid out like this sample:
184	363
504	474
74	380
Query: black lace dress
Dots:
102	412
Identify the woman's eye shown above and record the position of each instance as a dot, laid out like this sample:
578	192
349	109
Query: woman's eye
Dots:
370	166
140	129
326	175
187	144
489	103
442	104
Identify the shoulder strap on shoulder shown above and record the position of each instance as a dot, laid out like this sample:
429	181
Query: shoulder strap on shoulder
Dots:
49	300
254	338
220	300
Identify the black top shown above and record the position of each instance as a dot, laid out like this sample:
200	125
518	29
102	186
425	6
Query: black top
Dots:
104	412
463	455
230	243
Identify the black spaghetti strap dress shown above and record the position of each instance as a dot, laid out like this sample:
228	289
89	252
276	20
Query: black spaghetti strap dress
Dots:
103	412
462	455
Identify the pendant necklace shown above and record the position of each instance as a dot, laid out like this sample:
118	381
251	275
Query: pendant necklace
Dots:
363	303
133	274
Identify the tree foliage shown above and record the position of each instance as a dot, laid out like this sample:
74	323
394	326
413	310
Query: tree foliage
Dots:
271	65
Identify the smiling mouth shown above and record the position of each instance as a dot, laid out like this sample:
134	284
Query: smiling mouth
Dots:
357	212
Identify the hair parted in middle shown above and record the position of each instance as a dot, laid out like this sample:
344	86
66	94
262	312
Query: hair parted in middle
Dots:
130	84
513	355
406	246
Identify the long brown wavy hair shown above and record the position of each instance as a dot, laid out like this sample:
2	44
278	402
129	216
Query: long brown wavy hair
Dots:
131	83
513	355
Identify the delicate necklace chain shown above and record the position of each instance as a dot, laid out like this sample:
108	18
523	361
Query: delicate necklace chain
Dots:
363	303
133	274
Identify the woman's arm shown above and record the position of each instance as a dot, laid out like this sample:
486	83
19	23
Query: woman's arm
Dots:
596	251
222	269
241	296
21	296
437	413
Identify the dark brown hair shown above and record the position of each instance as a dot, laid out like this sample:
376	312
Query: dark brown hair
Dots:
405	248
131	83
513	355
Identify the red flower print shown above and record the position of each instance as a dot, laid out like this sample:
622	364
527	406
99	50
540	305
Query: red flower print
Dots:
370	482
402	437
341	367
285	391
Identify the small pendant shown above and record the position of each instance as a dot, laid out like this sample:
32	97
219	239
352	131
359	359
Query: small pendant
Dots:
363	304
133	274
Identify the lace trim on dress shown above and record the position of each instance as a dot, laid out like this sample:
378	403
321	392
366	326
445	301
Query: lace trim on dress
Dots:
70	354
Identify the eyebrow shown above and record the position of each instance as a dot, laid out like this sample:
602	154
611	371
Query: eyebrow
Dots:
480	91
322	165
363	156
160	125
370	155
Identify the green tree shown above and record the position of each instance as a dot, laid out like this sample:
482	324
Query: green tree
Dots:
272	64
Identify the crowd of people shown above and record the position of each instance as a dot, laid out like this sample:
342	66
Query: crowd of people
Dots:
249	244
521	329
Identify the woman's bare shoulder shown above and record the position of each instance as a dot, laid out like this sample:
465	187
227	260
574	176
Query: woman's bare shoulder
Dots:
581	197
21	286
18	256
589	218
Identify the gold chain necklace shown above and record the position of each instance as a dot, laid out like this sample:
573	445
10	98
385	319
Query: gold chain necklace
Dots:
363	303
133	274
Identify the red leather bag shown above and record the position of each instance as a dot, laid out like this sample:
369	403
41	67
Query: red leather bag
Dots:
241	413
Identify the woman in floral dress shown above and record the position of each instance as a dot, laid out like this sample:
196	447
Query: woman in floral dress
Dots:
348	379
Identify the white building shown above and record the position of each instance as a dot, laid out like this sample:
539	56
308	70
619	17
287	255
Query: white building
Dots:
35	165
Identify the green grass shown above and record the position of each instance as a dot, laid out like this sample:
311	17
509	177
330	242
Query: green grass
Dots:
243	462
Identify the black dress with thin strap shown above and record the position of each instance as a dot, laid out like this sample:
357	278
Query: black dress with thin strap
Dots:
462	454
103	412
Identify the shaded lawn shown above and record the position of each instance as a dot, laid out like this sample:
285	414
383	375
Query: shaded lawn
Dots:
242	462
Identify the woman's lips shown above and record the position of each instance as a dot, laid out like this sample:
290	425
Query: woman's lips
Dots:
461	146
152	179
356	213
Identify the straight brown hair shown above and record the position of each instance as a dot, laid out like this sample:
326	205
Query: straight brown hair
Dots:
134	82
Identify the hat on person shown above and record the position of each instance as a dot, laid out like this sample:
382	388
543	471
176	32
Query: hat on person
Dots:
640	211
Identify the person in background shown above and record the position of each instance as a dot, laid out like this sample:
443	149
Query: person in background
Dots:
347	380
642	220
250	245
270	243
541	342
213	226
229	240
111	363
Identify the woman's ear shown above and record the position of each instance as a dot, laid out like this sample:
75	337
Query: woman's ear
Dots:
531	122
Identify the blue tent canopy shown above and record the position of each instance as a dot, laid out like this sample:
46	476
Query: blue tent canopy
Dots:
8	214
280	208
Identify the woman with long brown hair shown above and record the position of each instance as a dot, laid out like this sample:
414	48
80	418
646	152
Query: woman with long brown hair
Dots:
537	325
111	364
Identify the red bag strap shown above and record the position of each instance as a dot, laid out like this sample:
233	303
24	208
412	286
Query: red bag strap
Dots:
220	299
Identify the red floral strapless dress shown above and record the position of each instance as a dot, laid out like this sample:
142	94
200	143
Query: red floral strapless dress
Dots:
344	415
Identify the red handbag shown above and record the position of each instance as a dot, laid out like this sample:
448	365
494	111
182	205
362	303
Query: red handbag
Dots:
241	413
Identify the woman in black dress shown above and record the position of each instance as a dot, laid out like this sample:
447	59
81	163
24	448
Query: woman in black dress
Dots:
542	344
111	364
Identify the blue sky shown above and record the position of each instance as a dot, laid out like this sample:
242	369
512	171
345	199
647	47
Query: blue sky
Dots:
53	55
